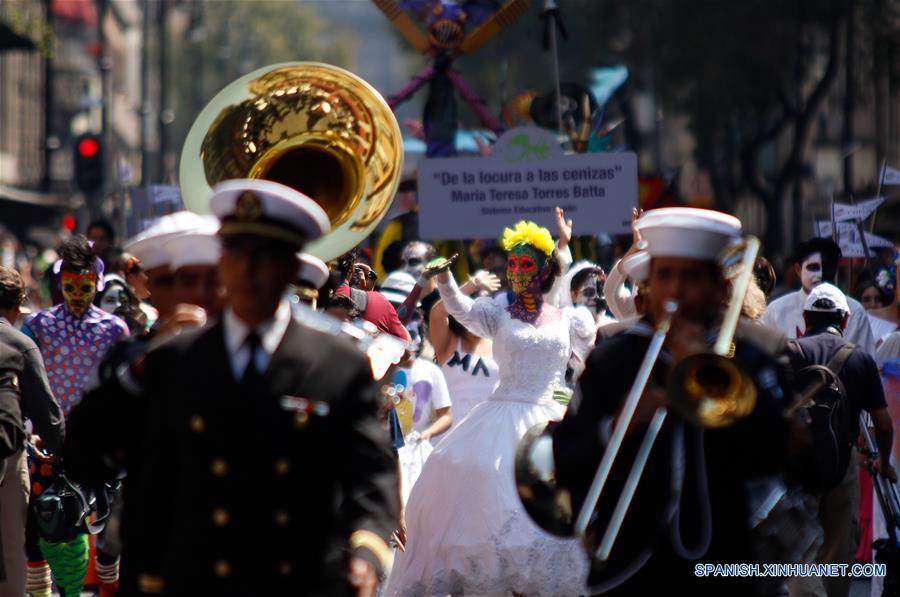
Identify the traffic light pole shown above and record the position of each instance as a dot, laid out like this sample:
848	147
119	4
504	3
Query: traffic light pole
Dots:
106	106
163	42
48	105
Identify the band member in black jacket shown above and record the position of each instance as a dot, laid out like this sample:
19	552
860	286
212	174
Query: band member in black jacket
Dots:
692	503
266	468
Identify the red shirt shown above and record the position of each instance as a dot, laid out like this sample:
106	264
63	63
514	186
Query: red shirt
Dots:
380	312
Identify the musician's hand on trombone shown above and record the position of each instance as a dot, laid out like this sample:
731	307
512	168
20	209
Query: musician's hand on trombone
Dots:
652	399
884	467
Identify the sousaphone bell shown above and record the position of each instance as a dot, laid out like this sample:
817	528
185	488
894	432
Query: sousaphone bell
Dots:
311	126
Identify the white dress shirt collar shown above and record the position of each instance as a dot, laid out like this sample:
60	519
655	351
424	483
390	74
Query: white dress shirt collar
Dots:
271	333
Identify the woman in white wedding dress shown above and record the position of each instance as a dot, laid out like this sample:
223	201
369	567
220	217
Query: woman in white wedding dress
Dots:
467	531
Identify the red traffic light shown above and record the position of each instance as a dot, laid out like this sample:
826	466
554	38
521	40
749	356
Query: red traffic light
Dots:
68	222
88	163
88	147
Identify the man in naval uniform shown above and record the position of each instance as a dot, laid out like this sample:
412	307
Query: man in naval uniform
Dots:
691	504
267	471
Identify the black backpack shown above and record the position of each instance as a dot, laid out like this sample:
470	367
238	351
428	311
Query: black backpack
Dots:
62	510
833	431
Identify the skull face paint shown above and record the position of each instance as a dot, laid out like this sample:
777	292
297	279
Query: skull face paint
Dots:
114	300
590	293
811	272
78	290
415	256
522	267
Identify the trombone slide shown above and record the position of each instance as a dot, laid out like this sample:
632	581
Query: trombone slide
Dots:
618	435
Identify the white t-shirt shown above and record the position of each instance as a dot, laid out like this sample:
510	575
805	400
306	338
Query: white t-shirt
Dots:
424	392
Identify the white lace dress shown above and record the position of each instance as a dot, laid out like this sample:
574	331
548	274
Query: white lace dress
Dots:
468	533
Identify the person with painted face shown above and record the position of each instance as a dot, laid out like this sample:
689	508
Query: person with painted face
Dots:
119	299
415	256
817	261
499	550
584	286
74	337
887	318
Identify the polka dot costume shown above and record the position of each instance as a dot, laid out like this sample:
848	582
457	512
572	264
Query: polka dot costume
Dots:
73	347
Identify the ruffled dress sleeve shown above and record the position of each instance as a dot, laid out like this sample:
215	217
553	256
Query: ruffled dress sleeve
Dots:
618	298
480	316
554	296
582	332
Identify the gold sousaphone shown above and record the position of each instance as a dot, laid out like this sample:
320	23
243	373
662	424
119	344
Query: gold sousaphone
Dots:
311	126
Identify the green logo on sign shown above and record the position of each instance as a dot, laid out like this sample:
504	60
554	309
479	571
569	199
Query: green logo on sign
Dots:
520	149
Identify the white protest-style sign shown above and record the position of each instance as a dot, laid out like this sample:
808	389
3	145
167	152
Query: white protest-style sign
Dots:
856	211
849	239
889	176
166	193
526	176
878	242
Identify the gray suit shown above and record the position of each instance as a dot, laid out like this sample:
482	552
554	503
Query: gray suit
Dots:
36	402
12	437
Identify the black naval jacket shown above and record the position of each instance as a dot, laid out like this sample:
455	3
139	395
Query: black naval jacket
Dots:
258	490
754	447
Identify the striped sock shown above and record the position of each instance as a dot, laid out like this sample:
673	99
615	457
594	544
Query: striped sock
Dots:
37	582
69	562
108	573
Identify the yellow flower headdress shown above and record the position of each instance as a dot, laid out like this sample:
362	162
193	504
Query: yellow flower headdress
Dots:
528	233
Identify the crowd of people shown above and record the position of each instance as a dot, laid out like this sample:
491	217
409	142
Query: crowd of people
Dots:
200	410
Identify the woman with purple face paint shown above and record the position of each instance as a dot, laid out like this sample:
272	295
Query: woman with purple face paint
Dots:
466	528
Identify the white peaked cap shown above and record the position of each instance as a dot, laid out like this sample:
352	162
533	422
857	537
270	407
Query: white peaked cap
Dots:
687	232
268	209
637	266
198	246
313	270
150	245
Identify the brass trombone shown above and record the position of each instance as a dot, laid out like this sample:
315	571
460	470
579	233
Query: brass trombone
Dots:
706	389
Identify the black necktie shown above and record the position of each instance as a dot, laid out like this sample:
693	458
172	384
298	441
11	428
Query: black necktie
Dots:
251	373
